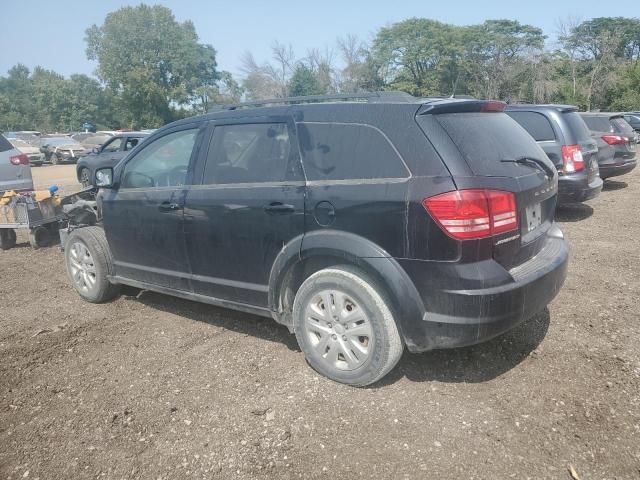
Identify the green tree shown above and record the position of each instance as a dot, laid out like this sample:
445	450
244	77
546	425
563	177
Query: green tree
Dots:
304	82
497	54
151	61
420	56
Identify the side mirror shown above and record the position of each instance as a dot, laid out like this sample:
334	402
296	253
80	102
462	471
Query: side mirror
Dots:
95	150
104	177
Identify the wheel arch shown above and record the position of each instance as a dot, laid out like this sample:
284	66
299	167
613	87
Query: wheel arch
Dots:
321	249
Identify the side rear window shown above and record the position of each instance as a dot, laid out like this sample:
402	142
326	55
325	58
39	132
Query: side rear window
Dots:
536	124
4	144
248	153
341	151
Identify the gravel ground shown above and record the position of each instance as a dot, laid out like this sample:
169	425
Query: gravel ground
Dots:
157	387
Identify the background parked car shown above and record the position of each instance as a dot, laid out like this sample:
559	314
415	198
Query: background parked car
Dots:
566	140
15	172
633	119
36	157
108	155
92	140
614	130
62	149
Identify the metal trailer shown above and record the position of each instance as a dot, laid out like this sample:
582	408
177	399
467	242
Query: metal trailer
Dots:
41	222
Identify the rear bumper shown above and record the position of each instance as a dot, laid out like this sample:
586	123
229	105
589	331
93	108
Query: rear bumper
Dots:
456	318
614	170
577	188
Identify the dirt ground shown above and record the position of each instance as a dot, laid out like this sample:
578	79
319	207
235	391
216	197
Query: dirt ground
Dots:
156	387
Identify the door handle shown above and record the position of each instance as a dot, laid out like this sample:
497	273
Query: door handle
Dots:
276	208
169	207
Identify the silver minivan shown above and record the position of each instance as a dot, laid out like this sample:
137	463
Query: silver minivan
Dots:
15	171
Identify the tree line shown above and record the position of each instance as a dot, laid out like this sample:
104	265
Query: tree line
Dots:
152	69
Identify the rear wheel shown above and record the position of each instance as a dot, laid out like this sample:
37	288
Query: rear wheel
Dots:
345	328
54	159
7	238
39	237
89	263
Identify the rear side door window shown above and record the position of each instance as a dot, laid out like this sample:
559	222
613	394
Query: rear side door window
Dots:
536	124
342	151
249	153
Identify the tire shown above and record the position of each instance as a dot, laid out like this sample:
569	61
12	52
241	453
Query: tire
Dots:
85	177
54	159
328	340
89	262
7	238
39	237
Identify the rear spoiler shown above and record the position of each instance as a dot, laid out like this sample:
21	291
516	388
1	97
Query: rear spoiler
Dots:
453	105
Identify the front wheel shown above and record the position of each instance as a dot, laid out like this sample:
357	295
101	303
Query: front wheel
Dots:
89	263
54	159
85	178
345	327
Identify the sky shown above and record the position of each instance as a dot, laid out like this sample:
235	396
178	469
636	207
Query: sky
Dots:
50	33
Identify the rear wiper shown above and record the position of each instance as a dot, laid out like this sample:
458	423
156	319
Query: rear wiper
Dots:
532	162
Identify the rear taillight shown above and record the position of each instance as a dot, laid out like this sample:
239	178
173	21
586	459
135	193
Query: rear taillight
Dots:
473	214
615	139
21	159
572	160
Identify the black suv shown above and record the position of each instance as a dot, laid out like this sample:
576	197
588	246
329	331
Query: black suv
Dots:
363	225
566	140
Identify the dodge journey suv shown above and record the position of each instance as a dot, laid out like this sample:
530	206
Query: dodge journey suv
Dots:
364	225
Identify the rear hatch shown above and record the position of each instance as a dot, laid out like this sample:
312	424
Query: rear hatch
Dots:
625	130
497	154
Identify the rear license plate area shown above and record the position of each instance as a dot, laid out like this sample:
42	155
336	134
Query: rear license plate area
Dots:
533	216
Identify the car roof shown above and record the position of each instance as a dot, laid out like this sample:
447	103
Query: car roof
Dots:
336	109
128	134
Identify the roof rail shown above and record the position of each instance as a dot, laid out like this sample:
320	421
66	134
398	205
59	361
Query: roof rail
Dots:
368	97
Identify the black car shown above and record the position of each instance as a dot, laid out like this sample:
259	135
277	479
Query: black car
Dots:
614	130
364	225
566	140
108	155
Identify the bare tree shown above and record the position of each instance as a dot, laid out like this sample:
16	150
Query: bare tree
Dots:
321	64
569	44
